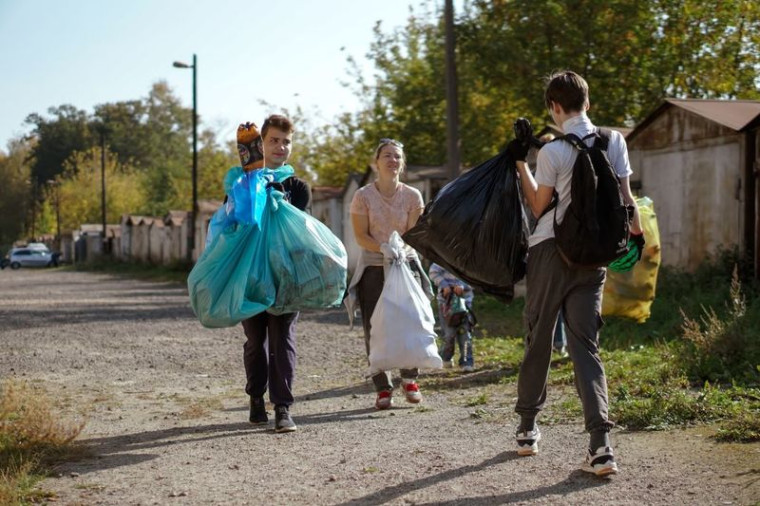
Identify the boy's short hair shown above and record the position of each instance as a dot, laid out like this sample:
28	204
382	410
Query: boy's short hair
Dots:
277	121
568	89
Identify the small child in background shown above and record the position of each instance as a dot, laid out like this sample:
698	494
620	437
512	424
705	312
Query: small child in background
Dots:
455	313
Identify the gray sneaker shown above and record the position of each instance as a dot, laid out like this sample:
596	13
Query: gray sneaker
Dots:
282	420
527	442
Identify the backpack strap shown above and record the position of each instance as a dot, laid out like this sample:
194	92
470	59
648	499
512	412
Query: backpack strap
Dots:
603	138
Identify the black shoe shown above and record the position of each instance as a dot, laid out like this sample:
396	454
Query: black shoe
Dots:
283	422
258	411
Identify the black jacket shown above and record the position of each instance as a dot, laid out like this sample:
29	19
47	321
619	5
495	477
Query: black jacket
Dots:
298	193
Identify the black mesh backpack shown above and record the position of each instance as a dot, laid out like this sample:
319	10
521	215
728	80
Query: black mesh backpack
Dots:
596	226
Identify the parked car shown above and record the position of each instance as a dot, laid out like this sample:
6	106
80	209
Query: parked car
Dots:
31	257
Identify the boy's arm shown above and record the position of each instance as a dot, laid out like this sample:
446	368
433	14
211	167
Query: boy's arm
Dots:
625	188
536	195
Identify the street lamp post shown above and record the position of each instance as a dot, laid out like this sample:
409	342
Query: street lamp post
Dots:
194	214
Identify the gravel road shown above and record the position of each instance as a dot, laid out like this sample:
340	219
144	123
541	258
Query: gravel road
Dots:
167	417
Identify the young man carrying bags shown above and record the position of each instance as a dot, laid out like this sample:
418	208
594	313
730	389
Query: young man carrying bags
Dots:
552	285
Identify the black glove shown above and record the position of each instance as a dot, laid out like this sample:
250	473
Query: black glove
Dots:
638	240
635	249
518	149
523	140
276	186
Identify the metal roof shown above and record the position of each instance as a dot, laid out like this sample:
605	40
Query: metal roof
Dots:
734	114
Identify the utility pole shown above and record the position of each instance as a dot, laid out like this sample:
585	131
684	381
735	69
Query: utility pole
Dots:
452	102
103	184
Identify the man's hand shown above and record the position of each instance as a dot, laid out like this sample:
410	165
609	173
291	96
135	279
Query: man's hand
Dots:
277	186
635	250
518	149
639	242
520	146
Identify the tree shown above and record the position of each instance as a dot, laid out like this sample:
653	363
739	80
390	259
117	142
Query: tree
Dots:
15	191
80	190
633	54
56	139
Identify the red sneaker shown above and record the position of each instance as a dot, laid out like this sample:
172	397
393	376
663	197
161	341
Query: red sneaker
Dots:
412	391
384	399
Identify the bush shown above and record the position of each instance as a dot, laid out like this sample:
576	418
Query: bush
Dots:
723	349
32	437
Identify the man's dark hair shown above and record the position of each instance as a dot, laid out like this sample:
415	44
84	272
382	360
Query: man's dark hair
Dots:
277	121
568	89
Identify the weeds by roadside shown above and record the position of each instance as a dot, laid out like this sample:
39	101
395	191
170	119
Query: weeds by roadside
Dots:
176	273
33	436
673	370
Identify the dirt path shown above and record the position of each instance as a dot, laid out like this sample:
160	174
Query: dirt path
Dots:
168	418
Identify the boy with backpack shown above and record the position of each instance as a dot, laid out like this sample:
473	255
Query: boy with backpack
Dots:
567	253
455	313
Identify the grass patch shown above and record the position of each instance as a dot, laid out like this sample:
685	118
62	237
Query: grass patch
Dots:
32	438
479	400
695	360
176	273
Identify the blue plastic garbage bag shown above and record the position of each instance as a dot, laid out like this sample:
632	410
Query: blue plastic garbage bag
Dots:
249	192
232	279
308	262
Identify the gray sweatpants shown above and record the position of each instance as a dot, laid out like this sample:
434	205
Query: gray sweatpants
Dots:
551	286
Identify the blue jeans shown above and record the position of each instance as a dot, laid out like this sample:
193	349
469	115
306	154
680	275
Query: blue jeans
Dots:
461	335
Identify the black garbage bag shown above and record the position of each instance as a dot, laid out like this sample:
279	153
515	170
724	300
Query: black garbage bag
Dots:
477	229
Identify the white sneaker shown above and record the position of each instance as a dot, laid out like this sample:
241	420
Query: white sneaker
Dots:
601	462
412	391
527	442
468	368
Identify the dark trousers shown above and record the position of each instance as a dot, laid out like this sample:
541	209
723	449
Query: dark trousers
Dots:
368	291
553	286
269	356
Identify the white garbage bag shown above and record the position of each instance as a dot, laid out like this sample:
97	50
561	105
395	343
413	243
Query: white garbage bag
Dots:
402	334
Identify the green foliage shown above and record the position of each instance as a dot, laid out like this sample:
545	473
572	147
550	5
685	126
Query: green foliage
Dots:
57	139
669	371
679	290
79	191
176	273
478	400
724	349
33	437
633	54
15	193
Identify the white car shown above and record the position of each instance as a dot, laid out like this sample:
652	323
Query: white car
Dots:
31	257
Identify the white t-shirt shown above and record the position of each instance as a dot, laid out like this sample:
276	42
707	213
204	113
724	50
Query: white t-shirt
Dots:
554	168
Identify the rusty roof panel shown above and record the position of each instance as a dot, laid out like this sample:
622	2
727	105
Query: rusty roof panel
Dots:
734	114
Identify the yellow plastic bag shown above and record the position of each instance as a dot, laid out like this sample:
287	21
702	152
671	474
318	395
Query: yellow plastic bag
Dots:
630	294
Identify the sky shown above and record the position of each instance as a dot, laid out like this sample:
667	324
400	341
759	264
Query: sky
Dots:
286	52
